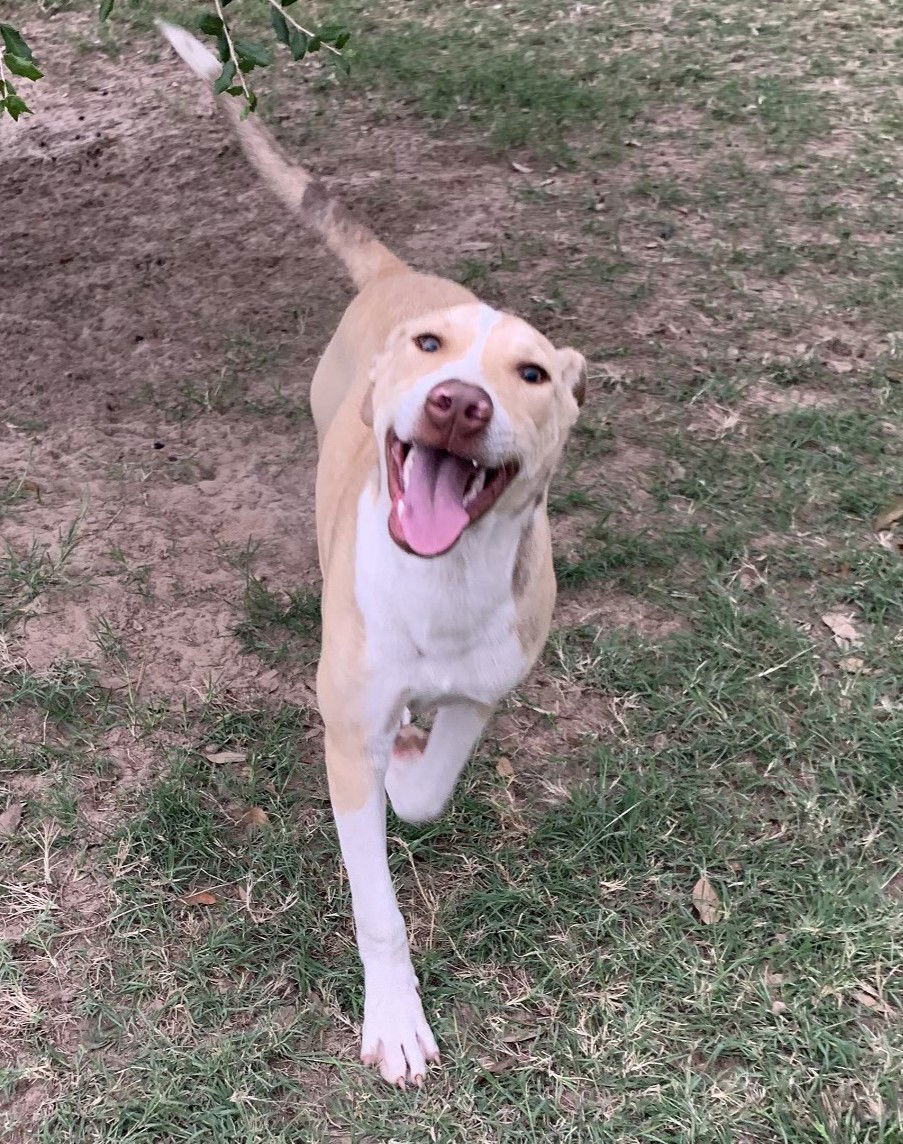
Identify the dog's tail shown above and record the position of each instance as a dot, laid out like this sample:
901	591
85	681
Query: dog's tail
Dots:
359	249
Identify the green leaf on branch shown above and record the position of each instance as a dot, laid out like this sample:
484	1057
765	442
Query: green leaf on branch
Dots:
280	27
297	44
14	44
15	106
222	47
210	24
254	55
314	44
329	33
106	7
226	76
18	66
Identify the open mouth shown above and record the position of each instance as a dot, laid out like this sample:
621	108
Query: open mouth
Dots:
435	494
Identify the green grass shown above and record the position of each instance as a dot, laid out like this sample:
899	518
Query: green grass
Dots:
274	628
720	236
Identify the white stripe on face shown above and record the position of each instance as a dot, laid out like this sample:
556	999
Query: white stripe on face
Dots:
468	367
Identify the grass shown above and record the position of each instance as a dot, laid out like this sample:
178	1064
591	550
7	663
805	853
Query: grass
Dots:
719	235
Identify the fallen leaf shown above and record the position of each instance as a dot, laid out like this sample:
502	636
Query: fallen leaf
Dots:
727	421
778	1007
218	758
201	898
516	1036
852	663
521	168
504	769
32	487
842	627
889	515
253	818
496	1066
869	998
839	365
705	901
10	819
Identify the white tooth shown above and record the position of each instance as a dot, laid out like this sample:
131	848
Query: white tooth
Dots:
476	487
406	467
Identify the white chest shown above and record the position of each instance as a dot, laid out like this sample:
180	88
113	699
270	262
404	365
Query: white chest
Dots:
440	629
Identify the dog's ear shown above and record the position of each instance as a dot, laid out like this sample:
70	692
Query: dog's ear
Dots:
573	370
367	406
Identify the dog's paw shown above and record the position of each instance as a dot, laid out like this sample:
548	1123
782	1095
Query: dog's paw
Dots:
395	1037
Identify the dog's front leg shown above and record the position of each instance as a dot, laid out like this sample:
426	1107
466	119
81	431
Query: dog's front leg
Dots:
395	1035
424	770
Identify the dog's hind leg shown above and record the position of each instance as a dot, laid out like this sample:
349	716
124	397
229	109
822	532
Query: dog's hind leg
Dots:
423	771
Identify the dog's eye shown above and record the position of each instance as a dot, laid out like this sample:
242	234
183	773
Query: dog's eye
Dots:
532	373
429	343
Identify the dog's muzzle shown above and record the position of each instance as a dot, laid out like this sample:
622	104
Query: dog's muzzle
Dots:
438	484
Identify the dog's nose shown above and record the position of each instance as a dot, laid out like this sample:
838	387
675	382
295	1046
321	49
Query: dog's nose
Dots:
457	409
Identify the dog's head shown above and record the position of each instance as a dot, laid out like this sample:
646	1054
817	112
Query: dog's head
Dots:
471	409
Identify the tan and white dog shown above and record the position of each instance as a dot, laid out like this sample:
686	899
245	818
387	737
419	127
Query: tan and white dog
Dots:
440	422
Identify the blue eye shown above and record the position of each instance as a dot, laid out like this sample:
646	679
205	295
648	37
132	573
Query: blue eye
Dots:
429	343
532	373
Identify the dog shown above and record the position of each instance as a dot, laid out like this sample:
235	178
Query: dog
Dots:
440	422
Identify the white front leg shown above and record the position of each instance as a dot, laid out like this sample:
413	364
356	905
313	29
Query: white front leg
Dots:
395	1034
423	771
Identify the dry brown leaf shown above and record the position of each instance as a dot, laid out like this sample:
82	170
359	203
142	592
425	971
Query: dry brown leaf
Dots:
843	628
705	901
10	819
727	421
253	818
504	769
889	515
32	487
218	758
201	898
869	998
778	1007
517	1036
839	365
498	1065
852	663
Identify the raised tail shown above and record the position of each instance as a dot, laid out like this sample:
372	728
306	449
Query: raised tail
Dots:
358	248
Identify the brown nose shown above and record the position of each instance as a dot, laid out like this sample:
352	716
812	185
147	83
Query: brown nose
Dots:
456	409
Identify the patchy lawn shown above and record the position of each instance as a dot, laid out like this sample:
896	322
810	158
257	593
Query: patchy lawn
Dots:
667	902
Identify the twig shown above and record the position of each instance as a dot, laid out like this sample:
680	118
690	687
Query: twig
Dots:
232	55
294	23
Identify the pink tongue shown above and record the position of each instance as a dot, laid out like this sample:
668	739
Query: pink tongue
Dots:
434	515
